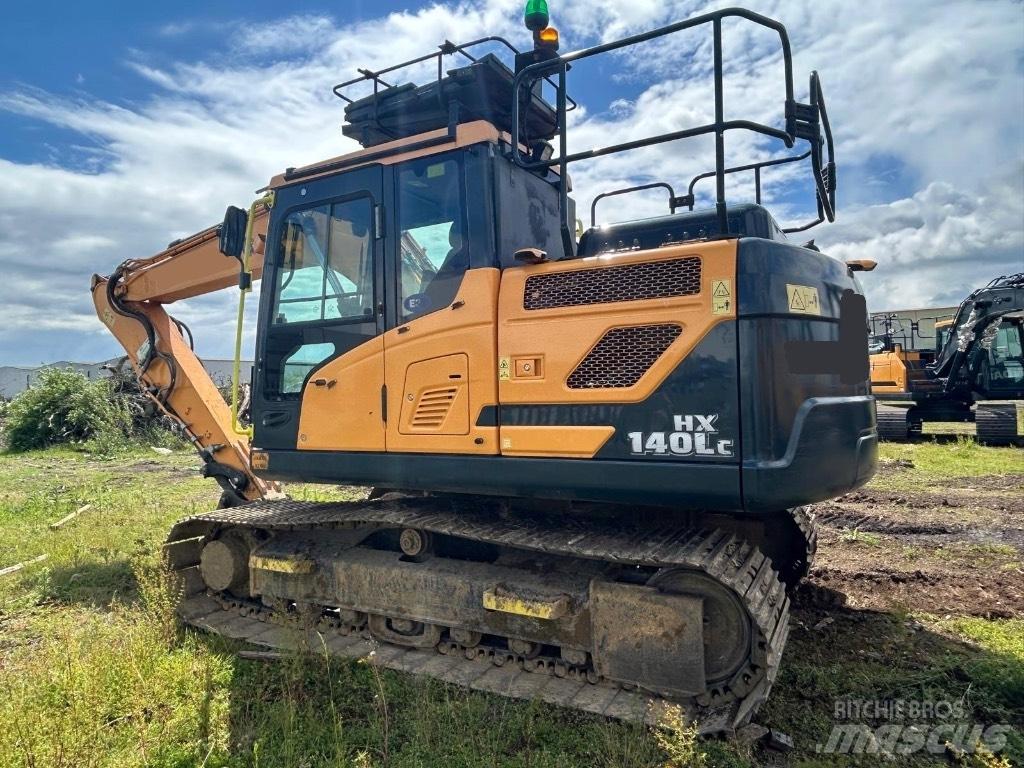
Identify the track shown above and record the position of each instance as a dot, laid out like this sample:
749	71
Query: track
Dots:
893	423
492	664
996	423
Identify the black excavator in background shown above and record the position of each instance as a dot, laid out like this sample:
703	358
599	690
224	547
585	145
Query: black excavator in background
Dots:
975	373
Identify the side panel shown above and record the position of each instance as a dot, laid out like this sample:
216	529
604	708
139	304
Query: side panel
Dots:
807	414
345	412
440	397
600	342
450	349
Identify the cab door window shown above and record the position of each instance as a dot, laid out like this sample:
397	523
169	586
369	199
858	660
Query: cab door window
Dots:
327	264
434	249
324	279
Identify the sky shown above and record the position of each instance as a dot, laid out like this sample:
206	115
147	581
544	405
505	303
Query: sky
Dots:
125	128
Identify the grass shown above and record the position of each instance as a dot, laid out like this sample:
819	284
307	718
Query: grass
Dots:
937	462
95	671
857	536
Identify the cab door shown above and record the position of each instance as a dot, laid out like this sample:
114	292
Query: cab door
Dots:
320	364
441	347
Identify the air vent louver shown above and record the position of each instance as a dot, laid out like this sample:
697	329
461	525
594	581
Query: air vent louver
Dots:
433	408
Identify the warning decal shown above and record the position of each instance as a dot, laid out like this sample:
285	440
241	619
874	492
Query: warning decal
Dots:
721	297
803	299
504	367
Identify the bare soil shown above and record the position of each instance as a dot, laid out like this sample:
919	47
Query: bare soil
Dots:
957	547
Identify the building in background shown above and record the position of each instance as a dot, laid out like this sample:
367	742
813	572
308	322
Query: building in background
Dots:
15	379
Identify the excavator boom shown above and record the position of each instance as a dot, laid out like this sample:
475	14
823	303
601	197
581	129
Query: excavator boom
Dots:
131	303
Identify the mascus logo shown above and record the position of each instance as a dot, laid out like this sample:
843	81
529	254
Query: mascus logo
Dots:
695	435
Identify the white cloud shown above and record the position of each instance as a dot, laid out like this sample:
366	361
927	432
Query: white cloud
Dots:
923	92
936	246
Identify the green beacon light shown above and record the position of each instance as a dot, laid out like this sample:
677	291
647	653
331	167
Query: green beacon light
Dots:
536	15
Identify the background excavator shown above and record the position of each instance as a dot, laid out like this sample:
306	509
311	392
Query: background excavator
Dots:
589	454
974	373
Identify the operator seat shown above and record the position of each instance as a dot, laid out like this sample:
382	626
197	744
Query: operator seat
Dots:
443	286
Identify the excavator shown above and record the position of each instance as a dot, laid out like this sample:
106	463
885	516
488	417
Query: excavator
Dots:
589	451
974	373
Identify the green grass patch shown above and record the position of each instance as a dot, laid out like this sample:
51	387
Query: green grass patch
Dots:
961	458
857	536
935	463
95	671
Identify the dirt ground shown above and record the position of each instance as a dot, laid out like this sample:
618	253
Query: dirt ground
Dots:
954	547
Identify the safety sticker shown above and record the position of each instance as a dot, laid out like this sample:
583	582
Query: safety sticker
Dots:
803	299
504	369
721	297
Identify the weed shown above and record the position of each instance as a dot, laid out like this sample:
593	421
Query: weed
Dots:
857	536
981	757
678	740
160	592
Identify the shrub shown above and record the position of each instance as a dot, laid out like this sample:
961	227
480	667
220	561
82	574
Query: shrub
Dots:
65	407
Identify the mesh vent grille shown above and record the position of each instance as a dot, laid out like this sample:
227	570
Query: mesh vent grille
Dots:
433	408
623	356
629	282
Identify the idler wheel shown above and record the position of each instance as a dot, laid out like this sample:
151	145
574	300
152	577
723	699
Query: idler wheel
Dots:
224	564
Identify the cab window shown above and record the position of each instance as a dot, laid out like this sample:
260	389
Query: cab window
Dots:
323	291
326	267
434	252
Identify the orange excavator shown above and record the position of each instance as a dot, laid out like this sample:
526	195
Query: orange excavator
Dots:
589	455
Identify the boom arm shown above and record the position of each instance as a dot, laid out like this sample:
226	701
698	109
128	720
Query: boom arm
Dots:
978	315
130	302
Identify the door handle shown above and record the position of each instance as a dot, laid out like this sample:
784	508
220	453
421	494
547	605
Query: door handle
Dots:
324	382
275	418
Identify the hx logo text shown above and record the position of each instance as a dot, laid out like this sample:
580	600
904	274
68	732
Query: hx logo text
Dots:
695	435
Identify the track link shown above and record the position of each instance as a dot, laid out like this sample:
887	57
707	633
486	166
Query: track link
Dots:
732	562
807	533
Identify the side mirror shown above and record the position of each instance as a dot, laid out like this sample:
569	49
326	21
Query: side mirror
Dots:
232	232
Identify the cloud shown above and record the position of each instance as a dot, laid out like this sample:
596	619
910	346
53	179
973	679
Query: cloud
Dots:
937	246
925	100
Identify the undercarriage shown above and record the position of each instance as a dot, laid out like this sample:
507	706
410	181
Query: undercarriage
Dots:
556	604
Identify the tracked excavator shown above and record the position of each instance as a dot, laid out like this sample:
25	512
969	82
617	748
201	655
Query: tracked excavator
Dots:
589	451
974	373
